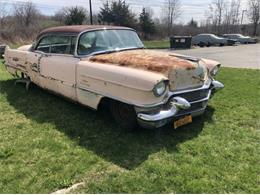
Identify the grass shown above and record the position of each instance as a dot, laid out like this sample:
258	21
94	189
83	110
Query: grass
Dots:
157	44
48	143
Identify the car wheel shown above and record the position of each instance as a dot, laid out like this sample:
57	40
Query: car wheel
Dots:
209	45
124	115
201	44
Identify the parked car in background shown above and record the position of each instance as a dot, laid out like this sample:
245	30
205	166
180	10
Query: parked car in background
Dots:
208	40
106	65
2	50
241	38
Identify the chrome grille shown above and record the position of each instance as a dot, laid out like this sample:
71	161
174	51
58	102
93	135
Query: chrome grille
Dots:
194	107
195	95
198	100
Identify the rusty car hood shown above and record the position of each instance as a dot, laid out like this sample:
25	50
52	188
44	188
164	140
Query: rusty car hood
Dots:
183	72
155	61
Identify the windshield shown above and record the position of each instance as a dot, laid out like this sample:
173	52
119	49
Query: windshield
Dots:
216	37
102	41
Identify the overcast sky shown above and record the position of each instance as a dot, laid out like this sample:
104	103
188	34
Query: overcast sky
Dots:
191	8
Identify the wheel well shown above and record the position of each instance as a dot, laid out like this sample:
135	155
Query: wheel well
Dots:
104	103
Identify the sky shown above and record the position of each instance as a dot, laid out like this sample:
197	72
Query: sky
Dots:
191	8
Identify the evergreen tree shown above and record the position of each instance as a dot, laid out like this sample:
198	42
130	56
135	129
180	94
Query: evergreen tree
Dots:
146	23
75	15
117	13
193	23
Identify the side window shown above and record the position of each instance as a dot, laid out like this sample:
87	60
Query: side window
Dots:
44	45
57	44
61	44
87	43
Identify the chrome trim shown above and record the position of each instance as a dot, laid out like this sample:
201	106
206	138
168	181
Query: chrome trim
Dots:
179	103
170	94
217	85
164	114
203	100
194	112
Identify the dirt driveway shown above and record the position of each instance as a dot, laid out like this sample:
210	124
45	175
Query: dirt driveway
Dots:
242	56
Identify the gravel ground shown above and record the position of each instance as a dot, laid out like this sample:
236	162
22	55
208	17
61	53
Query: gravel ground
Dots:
241	56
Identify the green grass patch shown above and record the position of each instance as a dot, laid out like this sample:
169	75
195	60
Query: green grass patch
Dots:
48	143
157	44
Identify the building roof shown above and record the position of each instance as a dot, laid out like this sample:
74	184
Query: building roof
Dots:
78	29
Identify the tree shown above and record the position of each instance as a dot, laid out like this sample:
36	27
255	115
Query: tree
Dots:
3	13
105	14
75	15
146	23
172	11
217	8
26	14
117	13
254	14
60	16
193	23
231	16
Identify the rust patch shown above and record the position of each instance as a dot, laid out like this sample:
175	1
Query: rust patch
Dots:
160	62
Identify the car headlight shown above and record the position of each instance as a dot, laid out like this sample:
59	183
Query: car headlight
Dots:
160	88
215	70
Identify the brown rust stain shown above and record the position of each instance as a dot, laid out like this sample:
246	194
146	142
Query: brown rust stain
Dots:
154	61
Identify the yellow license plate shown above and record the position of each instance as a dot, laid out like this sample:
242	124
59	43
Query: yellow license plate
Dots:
183	121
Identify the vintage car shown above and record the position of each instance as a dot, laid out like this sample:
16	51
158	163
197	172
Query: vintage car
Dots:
108	65
208	40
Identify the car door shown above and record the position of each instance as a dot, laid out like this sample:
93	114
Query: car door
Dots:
57	65
33	60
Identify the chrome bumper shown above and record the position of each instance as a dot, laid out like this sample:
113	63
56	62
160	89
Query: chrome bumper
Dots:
179	106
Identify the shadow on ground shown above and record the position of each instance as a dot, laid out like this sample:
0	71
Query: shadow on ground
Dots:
96	131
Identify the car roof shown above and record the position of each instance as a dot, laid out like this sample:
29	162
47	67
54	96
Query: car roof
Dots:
205	34
231	34
76	29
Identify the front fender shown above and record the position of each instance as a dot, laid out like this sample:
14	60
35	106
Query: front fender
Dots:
128	85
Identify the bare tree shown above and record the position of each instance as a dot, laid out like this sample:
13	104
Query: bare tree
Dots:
60	15
217	8
26	14
171	12
231	16
235	11
254	14
3	13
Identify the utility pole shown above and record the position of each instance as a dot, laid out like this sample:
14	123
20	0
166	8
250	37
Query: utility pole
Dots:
90	12
242	19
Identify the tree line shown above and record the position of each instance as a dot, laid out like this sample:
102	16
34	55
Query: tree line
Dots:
223	16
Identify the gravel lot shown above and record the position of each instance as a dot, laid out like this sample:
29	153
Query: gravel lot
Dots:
241	56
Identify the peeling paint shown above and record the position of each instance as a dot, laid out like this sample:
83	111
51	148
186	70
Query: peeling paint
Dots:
160	62
182	73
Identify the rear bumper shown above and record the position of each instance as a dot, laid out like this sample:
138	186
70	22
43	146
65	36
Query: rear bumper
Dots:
178	106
